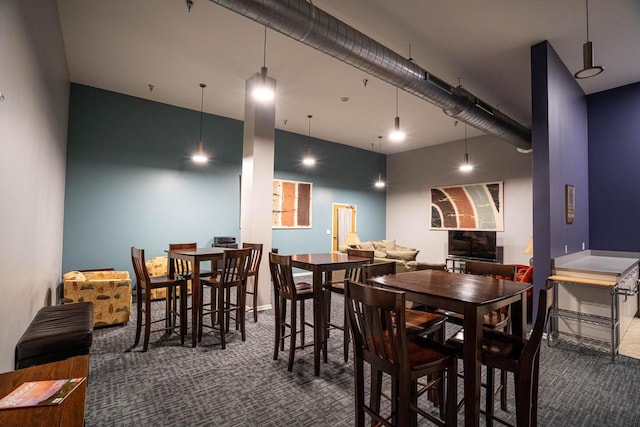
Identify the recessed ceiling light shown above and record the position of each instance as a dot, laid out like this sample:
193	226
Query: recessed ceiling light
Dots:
344	99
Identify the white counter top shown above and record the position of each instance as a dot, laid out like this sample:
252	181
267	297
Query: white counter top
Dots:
586	263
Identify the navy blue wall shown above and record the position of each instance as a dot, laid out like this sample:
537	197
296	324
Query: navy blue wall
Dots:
560	148
614	175
130	181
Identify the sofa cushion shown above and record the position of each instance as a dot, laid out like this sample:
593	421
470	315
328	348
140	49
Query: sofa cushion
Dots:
403	255
379	254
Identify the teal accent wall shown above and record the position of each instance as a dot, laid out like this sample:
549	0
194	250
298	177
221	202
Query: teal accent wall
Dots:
130	181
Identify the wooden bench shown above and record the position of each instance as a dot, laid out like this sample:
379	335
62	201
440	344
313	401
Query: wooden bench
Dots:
56	333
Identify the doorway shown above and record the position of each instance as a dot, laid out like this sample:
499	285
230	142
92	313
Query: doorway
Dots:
344	222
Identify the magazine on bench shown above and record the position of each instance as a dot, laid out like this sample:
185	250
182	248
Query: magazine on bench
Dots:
40	393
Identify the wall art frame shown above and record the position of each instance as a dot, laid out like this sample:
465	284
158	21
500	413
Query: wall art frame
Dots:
291	204
478	206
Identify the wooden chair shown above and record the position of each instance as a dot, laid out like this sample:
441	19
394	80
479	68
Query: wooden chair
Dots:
144	286
284	288
518	355
337	286
254	269
418	322
232	275
497	319
389	350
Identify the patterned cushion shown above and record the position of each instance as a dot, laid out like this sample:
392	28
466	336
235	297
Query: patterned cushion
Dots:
74	275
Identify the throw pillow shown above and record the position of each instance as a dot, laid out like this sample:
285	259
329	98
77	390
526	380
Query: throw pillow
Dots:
366	246
74	276
403	255
389	245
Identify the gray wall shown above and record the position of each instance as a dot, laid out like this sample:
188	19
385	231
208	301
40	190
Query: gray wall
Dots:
33	134
413	173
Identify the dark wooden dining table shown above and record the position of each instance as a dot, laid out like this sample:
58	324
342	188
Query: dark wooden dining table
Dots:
195	257
321	265
473	296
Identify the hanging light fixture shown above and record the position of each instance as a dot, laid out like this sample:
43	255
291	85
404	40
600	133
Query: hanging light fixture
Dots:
309	160
588	70
397	135
200	156
380	182
262	91
465	166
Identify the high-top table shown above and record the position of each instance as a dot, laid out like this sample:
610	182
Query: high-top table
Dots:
323	264
195	257
472	296
69	413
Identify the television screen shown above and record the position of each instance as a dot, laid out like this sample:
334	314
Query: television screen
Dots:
473	244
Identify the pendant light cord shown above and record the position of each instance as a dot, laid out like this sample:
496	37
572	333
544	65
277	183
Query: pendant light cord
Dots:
202	86
309	135
396	101
264	50
380	154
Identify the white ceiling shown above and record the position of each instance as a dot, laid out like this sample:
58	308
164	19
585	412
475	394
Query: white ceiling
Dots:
124	45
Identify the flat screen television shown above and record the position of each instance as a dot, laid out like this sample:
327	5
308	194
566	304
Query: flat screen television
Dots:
479	245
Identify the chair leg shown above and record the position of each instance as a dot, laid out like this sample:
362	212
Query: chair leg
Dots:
242	312
292	337
451	415
221	317
283	320
255	298
147	323
524	385
489	397
138	316
302	322
278	320
183	312
345	340
358	379
503	390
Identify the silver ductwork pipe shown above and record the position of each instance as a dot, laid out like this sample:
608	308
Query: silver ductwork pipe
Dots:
302	21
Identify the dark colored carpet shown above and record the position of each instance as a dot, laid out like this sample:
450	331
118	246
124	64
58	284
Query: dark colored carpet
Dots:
174	385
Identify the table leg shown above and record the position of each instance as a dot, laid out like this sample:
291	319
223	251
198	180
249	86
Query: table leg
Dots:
318	320
195	301
472	359
519	316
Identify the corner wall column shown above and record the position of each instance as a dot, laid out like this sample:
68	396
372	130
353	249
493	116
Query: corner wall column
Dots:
256	184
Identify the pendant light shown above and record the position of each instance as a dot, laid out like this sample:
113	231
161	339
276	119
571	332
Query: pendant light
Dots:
465	166
200	156
380	182
588	70
262	91
397	135
309	160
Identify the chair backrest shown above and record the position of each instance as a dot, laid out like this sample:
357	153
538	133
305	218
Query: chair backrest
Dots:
545	301
139	268
369	271
234	266
491	269
179	267
282	275
370	310
255	258
355	273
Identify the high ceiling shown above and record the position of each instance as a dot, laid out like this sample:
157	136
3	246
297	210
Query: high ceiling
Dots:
125	46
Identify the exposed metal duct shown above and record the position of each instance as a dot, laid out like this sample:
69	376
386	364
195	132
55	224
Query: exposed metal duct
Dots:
302	21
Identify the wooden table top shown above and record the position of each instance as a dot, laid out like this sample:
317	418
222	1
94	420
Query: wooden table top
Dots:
460	287
325	259
70	413
199	251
